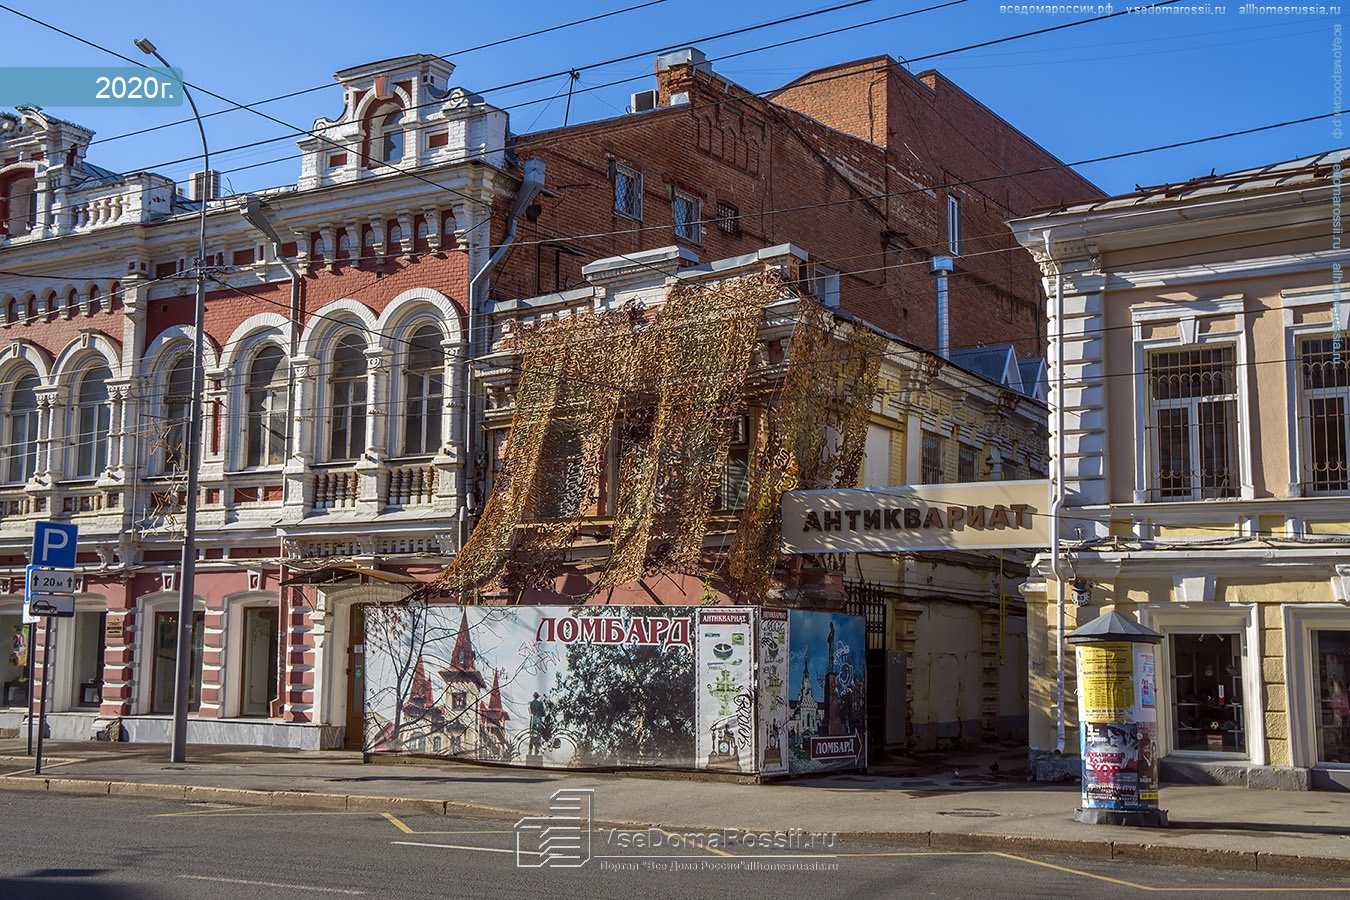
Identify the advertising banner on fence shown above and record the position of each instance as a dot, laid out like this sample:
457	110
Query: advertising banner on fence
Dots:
773	691
725	686
618	686
828	726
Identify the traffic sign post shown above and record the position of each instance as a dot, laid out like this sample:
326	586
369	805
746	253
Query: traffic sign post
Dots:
49	590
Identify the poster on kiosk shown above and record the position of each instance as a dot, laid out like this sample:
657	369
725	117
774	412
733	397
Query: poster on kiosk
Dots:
1119	718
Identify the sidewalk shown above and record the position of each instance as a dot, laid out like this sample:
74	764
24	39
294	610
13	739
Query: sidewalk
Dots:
947	802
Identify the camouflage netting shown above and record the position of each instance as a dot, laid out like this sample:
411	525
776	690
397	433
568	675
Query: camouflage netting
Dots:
816	436
665	392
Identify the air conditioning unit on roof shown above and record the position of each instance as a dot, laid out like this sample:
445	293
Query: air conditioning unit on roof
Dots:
643	101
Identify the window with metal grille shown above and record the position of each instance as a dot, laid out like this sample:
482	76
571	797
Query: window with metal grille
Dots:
627	192
728	218
930	459
688	211
1193	416
1324	407
966	459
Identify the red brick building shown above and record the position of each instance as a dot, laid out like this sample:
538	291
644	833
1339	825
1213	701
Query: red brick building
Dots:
338	466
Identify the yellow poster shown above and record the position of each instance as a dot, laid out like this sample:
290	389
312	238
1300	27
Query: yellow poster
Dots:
1108	685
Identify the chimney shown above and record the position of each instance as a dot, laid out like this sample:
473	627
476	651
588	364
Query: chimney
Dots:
675	75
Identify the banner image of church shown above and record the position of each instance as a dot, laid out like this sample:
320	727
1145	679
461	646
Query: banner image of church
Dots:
616	687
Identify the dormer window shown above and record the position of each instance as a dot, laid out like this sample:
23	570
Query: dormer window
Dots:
20	207
389	139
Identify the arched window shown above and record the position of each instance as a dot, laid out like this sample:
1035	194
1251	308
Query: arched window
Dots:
347	433
93	417
396	238
320	248
391	136
22	207
423	392
344	246
21	431
93	299
268	392
72	301
176	413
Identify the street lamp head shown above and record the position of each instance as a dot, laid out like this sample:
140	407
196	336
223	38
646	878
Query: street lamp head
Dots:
144	45
258	214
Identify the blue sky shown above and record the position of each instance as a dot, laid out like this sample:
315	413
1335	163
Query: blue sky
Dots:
1101	88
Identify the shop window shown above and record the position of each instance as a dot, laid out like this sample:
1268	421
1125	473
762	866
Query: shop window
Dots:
1332	651
1207	708
259	669
87	684
166	652
1193	419
14	651
1324	408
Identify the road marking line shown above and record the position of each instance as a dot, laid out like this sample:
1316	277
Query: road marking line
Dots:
398	823
234	813
452	847
277	884
1165	890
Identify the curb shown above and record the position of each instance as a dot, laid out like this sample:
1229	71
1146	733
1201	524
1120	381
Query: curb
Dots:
955	841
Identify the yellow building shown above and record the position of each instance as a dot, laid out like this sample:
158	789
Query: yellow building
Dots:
1199	421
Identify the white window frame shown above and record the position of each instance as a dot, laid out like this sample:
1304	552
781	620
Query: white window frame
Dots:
28	452
825	285
1186	316
326	436
435	440
690	227
1298	304
1300	621
246	410
634	192
953	224
1243	619
77	412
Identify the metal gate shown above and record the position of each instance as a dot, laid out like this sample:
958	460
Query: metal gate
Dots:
870	601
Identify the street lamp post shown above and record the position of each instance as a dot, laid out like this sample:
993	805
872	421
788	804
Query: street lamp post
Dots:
182	680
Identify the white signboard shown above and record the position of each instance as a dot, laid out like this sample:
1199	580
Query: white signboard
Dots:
52	581
993	515
62	605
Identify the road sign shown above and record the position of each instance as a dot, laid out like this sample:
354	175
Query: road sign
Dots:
52	581
62	605
54	545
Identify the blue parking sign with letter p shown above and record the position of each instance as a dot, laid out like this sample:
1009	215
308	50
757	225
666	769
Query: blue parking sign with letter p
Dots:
54	545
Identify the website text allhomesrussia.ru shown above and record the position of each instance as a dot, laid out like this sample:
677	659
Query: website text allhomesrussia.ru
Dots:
725	839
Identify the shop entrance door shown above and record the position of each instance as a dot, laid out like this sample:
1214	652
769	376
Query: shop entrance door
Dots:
356	678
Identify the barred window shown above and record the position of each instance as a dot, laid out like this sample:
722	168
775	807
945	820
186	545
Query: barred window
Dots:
930	459
728	218
1193	416
967	458
688	212
1324	385
627	192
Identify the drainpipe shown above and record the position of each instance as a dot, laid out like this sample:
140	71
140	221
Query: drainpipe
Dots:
1057	498
531	186
941	267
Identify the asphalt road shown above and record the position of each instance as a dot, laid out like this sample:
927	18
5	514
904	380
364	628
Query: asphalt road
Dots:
108	848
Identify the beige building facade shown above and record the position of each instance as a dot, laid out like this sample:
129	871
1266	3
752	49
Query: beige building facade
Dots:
1200	420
